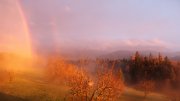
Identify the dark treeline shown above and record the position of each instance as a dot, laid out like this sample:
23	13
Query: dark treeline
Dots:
158	69
150	68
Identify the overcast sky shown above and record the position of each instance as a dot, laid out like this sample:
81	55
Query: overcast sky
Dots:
103	24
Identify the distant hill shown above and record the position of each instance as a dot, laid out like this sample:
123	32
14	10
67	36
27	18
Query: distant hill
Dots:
77	54
177	58
127	54
118	55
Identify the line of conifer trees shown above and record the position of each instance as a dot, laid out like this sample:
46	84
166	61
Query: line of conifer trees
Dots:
157	68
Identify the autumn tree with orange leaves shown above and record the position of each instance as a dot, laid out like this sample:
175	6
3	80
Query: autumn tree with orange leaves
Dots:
105	86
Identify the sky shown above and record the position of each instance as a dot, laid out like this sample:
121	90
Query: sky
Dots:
112	25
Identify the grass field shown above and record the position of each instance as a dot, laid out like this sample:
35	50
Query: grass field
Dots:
31	86
134	95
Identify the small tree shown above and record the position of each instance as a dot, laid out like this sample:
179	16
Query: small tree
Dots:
104	87
146	86
108	85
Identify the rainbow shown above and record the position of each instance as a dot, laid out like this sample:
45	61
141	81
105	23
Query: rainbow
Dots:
26	33
15	37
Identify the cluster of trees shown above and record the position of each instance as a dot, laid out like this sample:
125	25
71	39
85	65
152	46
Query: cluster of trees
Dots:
147	72
150	68
143	72
103	85
140	68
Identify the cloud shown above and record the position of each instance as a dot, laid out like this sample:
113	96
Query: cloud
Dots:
137	42
133	44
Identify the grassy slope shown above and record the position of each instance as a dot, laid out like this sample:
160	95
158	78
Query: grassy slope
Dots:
134	95
30	86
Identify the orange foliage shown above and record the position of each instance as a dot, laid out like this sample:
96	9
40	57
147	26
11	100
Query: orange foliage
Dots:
105	86
58	69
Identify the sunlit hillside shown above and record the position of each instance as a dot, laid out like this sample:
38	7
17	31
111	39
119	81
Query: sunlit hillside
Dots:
89	50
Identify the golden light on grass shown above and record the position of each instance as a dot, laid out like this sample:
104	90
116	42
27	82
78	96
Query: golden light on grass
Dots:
16	46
